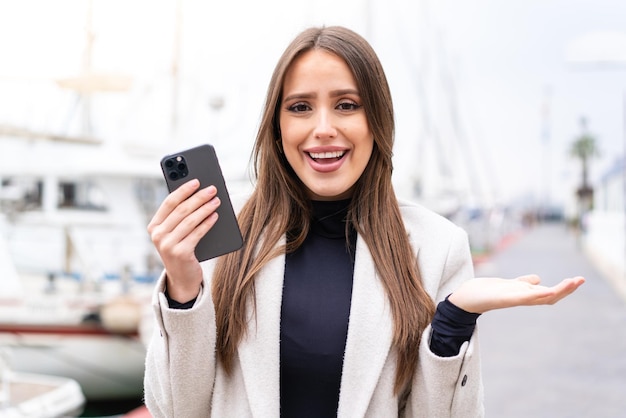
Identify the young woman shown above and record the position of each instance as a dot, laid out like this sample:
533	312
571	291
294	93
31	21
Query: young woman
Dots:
329	308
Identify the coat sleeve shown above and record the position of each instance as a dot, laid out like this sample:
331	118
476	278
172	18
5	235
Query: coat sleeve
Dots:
445	387
180	360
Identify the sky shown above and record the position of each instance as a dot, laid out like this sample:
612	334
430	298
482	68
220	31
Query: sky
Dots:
527	98
481	88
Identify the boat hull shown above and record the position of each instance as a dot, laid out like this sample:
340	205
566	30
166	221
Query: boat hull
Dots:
107	366
40	396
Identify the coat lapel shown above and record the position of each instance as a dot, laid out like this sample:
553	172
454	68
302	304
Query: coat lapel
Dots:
369	337
367	346
259	351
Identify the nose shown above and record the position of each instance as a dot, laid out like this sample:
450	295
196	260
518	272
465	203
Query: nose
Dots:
324	125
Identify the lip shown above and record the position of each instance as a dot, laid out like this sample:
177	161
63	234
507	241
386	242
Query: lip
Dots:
325	167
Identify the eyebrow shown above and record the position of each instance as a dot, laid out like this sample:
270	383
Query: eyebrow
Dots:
333	93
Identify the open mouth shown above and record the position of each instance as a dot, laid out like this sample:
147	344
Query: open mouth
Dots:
330	156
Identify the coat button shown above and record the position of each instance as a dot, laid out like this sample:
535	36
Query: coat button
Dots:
464	381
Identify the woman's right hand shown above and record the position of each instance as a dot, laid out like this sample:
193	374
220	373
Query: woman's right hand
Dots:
175	229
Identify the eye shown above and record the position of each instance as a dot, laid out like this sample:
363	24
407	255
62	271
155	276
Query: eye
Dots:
299	107
348	105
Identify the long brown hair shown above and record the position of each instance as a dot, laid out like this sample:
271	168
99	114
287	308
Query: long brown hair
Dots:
280	204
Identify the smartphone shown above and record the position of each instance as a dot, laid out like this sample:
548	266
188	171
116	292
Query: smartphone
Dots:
201	163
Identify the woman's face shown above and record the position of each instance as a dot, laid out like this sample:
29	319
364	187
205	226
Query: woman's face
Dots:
325	135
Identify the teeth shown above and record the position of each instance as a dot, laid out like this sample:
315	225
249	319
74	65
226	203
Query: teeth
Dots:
332	154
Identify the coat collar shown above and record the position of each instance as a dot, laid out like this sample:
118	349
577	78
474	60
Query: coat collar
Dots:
367	346
259	350
369	336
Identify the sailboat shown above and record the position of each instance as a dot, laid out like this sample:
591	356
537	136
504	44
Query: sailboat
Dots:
76	263
74	306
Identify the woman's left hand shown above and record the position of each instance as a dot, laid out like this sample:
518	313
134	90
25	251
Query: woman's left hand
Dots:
484	294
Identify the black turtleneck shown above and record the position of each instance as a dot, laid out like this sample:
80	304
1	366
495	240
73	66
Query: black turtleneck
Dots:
316	302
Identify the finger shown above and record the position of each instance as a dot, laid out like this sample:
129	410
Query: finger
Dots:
529	278
185	208
568	286
190	223
195	203
172	201
186	230
201	230
186	246
563	289
171	237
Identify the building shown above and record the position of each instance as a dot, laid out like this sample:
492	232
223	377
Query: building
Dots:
605	226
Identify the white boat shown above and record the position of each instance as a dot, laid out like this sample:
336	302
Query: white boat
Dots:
76	265
76	262
93	341
86	343
41	396
86	330
27	395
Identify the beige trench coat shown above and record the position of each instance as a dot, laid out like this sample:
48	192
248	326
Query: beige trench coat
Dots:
183	380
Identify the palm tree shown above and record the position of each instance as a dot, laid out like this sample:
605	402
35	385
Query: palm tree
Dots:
584	148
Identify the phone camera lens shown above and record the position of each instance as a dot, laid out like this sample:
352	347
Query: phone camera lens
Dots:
176	168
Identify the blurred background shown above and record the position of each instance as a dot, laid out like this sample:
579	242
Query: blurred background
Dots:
511	121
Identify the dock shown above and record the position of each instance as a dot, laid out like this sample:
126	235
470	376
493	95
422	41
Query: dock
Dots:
564	360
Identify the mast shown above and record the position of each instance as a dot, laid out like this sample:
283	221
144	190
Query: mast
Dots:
87	69
175	70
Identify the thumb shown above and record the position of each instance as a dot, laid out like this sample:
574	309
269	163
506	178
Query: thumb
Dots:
529	278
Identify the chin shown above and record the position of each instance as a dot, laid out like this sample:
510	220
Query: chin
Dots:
326	194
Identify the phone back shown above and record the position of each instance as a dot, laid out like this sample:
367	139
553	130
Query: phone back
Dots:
201	162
